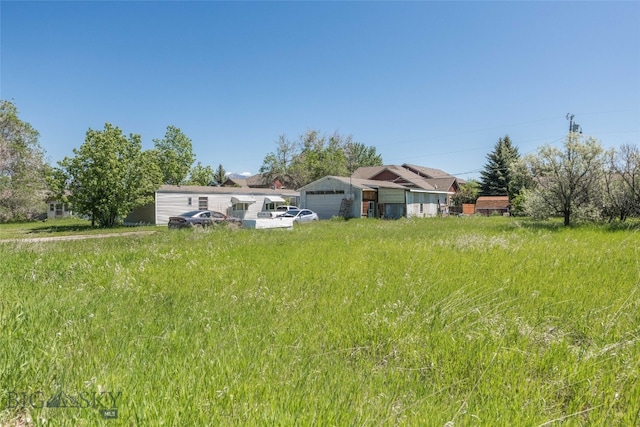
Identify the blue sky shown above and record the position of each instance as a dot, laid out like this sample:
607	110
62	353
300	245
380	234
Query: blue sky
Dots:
429	83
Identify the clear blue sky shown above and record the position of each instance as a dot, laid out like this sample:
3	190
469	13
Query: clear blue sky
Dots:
429	83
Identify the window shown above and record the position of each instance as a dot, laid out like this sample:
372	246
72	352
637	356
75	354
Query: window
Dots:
240	207
189	201
52	207
421	208
326	192
203	203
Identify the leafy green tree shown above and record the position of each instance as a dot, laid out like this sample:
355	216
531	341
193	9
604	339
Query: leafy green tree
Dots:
110	175
496	178
359	155
315	155
521	181
220	175
468	193
319	156
201	175
23	170
174	156
568	180
621	198
278	165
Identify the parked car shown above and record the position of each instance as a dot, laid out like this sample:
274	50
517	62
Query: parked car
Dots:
283	208
300	215
277	212
200	218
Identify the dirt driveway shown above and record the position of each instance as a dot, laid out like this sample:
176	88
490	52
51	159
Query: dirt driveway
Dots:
77	237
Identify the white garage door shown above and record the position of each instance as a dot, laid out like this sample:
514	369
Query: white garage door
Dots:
325	205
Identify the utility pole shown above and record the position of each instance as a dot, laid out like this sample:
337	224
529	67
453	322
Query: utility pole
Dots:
573	127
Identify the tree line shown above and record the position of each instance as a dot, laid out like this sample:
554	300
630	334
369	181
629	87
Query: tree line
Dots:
110	174
579	181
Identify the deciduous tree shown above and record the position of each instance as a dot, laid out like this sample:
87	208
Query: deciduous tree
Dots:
110	175
278	165
468	193
568	180
175	156
201	175
23	170
315	155
621	198
359	155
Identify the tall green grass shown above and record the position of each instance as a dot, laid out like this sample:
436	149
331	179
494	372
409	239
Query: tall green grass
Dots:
465	321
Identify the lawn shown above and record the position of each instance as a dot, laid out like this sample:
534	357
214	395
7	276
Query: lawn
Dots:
443	321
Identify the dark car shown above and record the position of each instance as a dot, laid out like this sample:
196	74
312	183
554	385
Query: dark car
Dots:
201	219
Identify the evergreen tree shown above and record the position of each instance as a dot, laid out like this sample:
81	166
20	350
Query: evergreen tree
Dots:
220	175
496	178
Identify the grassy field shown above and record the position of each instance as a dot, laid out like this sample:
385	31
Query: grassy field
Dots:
434	322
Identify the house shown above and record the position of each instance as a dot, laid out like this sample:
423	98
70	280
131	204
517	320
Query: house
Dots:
492	205
58	208
390	191
413	176
239	202
254	181
353	198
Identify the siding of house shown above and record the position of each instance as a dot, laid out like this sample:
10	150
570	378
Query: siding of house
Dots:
428	201
170	204
391	195
57	209
142	215
174	201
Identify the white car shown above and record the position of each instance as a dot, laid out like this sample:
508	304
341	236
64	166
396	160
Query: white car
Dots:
300	215
283	208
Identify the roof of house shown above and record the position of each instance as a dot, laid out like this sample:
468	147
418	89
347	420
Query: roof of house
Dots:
408	178
253	181
196	189
238	182
363	184
366	172
413	176
492	202
427	172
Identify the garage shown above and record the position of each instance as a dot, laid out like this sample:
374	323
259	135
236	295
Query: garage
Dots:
325	205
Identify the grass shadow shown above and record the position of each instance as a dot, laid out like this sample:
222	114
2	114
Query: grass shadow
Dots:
556	225
52	229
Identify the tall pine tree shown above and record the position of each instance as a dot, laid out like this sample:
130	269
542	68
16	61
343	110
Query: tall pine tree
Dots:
496	178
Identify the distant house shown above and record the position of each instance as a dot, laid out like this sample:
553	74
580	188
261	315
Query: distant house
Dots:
353	198
57	208
239	202
381	192
255	181
492	205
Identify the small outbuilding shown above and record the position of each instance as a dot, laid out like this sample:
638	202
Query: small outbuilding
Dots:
493	205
